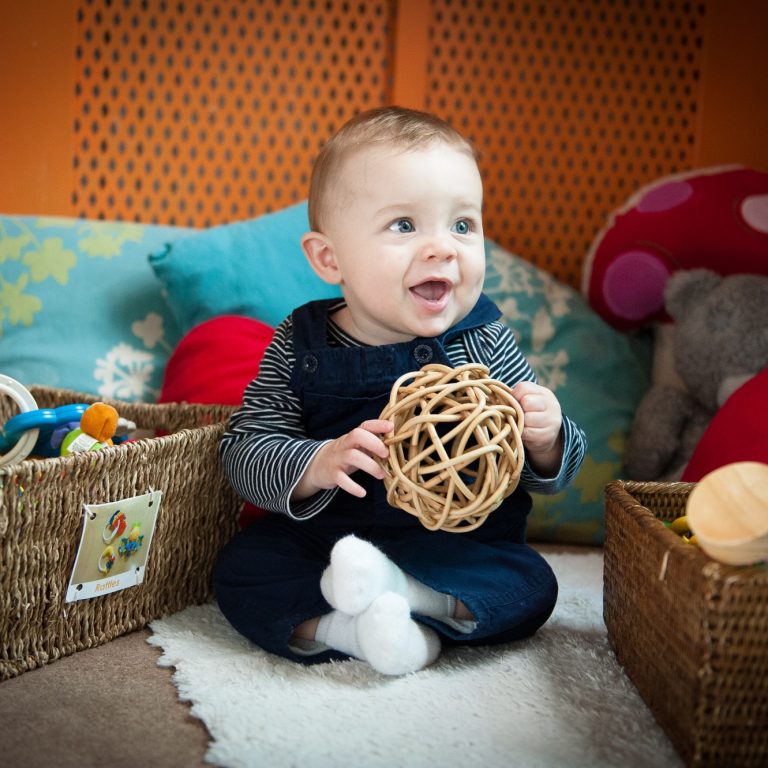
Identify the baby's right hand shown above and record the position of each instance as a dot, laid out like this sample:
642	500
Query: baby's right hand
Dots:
336	461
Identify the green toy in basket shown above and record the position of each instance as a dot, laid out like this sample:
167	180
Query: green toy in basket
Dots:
98	426
47	432
30	431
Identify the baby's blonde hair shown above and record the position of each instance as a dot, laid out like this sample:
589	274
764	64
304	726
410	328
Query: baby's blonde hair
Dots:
396	127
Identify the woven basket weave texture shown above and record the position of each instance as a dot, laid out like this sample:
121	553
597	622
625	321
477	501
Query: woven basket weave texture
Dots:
456	450
691	633
41	514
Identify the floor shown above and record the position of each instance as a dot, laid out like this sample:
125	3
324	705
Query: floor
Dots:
110	705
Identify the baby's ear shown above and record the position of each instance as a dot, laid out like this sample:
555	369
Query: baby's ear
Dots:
321	256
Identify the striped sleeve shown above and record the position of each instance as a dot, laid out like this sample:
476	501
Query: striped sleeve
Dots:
495	345
265	450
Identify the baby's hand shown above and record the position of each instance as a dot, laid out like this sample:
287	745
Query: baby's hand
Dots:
541	430
336	461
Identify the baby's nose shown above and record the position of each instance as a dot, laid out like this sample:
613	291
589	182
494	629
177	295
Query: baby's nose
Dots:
438	248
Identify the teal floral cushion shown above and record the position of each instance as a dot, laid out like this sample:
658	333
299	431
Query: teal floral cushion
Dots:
80	307
257	268
598	374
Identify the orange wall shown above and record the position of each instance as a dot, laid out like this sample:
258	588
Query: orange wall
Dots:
734	116
409	80
37	75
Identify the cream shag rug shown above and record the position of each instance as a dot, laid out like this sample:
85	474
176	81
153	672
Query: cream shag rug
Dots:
557	699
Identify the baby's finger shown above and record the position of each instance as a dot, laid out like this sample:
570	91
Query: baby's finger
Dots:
378	426
535	418
533	404
365	440
346	483
365	463
523	388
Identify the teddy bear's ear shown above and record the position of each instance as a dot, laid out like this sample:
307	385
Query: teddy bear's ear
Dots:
686	287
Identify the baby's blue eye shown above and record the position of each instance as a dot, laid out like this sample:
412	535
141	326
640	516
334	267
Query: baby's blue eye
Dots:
462	227
404	226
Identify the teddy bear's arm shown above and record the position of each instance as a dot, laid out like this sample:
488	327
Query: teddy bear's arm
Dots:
655	442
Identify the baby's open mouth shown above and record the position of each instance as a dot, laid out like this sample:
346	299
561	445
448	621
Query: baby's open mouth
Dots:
431	290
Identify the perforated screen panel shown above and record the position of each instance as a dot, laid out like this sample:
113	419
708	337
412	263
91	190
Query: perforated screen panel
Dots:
202	112
574	104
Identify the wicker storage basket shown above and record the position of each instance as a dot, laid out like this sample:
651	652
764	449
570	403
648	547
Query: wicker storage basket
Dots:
41	513
691	633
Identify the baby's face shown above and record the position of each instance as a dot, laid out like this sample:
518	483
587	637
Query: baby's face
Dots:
408	242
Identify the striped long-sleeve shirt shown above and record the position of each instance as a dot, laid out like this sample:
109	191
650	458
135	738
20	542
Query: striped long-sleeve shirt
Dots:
266	450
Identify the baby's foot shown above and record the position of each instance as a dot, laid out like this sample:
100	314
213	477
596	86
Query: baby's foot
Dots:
391	641
358	574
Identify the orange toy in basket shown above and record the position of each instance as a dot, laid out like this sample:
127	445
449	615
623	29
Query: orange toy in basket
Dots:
455	452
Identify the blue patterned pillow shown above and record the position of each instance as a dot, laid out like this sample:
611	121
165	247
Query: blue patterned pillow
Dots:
597	373
254	268
80	307
257	268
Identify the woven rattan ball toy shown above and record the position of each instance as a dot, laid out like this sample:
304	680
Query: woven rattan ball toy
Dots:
456	450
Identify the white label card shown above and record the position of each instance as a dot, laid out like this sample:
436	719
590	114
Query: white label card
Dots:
114	546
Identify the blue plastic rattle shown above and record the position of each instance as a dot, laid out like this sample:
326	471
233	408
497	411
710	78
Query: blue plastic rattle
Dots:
30	430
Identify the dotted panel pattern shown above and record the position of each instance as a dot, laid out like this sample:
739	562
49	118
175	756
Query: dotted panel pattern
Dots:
197	113
574	105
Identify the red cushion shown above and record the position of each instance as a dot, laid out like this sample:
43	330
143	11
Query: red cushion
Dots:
215	361
737	431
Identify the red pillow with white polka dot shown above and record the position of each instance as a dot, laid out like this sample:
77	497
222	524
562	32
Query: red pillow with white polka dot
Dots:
715	218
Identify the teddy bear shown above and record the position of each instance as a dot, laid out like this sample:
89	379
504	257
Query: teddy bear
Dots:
719	347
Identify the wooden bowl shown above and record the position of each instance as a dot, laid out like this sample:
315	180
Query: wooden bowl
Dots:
728	512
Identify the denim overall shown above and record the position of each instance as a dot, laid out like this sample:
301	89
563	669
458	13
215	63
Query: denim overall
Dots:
267	580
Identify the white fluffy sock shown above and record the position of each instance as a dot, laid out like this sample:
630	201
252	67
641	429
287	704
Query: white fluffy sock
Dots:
428	602
384	635
359	573
391	641
337	630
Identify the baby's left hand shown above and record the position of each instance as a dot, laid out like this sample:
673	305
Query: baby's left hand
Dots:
543	422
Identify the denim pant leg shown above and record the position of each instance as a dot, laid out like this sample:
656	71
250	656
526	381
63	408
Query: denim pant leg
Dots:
508	586
267	582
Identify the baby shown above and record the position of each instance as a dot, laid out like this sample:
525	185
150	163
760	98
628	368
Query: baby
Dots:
395	209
